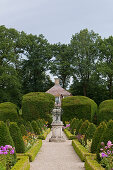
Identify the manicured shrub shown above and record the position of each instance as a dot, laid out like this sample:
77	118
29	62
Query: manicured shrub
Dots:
23	130
90	131
36	105
79	125
17	137
74	125
80	107
105	111
97	135
39	124
8	110
28	126
36	129
84	127
5	137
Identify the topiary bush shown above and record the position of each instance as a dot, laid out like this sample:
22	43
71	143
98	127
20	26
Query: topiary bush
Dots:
36	129
79	125
5	137
90	131
36	105
74	125
23	130
17	137
84	127
28	127
78	107
105	111
97	135
9	111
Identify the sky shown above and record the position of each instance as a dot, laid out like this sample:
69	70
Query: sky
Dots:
58	20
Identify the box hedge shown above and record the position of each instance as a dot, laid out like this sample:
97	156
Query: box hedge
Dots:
69	135
22	163
92	164
17	137
80	107
5	137
105	112
36	105
9	111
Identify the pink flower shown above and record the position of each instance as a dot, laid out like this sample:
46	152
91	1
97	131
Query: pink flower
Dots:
103	155
109	143
1	152
12	151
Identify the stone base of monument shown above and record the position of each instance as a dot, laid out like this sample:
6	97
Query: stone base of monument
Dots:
57	132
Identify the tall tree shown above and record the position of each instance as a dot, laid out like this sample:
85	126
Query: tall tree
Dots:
60	64
38	53
105	63
84	45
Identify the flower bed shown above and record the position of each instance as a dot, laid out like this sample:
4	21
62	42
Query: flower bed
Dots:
22	163
92	164
44	135
69	134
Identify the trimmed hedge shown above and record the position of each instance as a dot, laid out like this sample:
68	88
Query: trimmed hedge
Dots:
29	128
5	137
36	129
36	105
23	130
105	111
79	126
80	107
17	137
8	110
84	127
97	135
74	125
90	131
92	164
22	163
80	150
44	135
69	135
32	152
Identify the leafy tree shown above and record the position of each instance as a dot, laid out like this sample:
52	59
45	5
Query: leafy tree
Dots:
105	64
84	45
60	64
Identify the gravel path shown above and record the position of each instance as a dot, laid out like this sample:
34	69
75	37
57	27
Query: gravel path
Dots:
57	156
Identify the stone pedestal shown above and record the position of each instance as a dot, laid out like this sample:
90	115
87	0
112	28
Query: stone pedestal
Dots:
57	132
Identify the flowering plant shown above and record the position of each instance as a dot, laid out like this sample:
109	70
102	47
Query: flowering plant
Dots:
81	139
6	156
107	155
67	126
29	140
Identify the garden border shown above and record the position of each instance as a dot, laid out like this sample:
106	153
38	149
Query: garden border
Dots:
69	135
44	135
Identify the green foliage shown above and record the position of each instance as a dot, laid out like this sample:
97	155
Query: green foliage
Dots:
74	125
36	129
97	135
92	164
36	105
8	110
78	107
32	152
17	137
90	131
5	137
23	130
22	163
69	134
79	125
84	127
29	127
105	111
80	150
44	135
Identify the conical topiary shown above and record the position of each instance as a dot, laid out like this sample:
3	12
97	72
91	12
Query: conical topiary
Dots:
74	125
17	137
78	127
90	131
84	127
5	137
35	127
97	135
23	130
29	128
